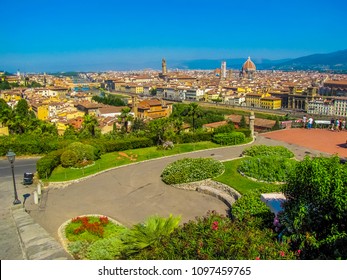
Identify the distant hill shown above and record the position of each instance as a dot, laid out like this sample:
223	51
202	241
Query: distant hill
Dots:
330	61
232	63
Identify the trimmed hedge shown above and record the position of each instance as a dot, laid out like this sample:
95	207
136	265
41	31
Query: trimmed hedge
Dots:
190	137
263	150
232	138
28	144
46	164
191	169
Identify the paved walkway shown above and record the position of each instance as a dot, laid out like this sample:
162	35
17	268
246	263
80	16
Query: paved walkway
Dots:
128	194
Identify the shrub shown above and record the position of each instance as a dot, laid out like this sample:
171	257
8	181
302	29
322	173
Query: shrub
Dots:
105	249
215	237
250	205
198	136
232	138
83	151
315	209
263	150
149	233
46	164
267	168
69	158
190	170
245	131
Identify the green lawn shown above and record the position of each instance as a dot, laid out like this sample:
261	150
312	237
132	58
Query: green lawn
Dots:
118	158
234	179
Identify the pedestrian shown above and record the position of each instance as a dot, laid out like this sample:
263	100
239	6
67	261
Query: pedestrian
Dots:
310	123
304	120
343	126
337	125
332	122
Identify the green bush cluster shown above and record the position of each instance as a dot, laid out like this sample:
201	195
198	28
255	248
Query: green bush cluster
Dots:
77	152
216	237
245	131
250	205
190	170
192	137
109	146
232	138
46	164
28	144
267	168
263	150
117	242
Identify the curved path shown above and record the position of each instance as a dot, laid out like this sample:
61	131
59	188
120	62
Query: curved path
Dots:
131	193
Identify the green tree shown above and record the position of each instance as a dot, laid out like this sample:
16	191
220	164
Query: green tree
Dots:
22	108
90	123
158	128
194	111
243	123
315	212
126	117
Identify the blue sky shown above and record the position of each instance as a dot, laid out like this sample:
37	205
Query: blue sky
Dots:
39	36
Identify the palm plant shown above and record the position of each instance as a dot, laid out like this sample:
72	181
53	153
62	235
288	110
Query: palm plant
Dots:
149	233
125	117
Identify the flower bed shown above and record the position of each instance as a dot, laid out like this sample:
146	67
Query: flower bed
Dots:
84	237
263	150
191	170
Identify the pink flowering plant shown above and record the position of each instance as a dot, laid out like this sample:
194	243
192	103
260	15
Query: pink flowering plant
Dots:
217	237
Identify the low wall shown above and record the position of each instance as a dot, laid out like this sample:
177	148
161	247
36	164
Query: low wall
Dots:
216	189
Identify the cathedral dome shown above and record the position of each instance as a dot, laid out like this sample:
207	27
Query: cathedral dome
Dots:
248	66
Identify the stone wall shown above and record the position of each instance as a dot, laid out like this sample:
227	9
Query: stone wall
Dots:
216	189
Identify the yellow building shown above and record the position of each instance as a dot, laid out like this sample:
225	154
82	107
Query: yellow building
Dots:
211	95
253	100
41	110
152	109
272	103
11	95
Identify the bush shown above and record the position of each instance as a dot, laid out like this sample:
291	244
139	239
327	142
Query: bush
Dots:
215	237
250	205
191	170
245	131
190	137
46	164
263	150
232	138
267	168
105	249
69	158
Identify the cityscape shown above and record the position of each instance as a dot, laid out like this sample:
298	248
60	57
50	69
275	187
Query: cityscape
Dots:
159	139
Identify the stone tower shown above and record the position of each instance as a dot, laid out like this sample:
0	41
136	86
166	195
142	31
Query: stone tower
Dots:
163	67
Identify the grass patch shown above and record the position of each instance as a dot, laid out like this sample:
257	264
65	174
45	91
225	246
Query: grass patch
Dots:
115	159
234	179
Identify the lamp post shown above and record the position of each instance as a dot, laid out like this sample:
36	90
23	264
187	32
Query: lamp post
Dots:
11	156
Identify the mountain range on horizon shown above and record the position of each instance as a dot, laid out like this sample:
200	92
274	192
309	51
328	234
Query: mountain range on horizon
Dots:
336	61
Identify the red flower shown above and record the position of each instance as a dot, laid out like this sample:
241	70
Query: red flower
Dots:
282	253
215	225
257	258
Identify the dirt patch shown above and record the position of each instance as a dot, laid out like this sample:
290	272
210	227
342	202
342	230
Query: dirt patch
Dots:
132	157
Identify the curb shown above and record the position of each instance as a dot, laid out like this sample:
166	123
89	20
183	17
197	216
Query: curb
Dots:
36	242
